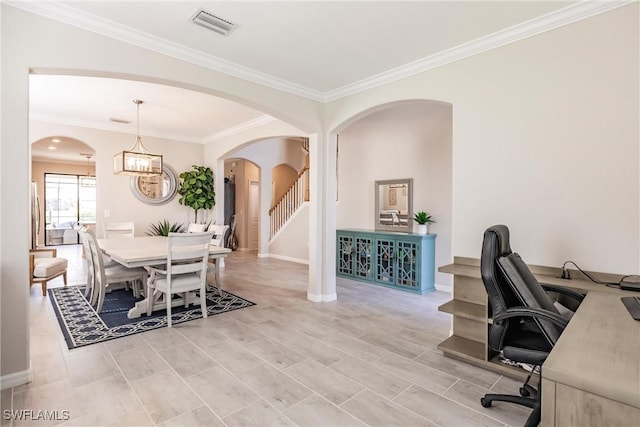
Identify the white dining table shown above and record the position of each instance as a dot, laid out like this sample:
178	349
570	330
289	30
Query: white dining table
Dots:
148	251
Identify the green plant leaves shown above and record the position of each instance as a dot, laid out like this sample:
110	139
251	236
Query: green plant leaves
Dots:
196	189
164	227
423	218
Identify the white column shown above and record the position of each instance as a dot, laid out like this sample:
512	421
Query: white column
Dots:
329	215
316	244
265	204
15	179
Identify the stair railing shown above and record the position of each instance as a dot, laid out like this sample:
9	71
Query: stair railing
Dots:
289	202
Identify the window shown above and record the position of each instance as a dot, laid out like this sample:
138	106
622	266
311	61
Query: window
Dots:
68	201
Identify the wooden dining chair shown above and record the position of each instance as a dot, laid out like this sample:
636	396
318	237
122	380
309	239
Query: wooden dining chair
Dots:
185	271
119	229
105	276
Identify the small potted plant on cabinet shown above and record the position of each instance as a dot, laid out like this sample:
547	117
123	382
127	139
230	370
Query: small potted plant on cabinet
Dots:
423	219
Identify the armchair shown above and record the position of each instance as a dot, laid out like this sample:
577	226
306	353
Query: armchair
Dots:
526	324
45	266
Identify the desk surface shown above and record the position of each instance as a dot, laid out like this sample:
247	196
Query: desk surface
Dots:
144	251
599	352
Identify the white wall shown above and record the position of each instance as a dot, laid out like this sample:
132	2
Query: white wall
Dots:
545	140
113	191
292	243
410	140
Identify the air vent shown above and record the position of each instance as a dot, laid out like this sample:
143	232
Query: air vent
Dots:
213	22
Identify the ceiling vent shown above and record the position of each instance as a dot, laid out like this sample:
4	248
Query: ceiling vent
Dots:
213	22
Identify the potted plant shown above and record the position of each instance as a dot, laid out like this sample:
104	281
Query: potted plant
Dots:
423	219
164	227
196	189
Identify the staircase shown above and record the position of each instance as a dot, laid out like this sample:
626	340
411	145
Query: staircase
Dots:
292	199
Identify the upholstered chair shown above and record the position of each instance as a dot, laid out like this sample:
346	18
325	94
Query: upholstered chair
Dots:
44	265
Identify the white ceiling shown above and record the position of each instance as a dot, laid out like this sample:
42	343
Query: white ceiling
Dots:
321	50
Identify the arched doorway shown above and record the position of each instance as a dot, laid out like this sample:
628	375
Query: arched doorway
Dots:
63	190
404	139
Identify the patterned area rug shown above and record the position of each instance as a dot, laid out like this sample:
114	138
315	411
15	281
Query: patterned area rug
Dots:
81	325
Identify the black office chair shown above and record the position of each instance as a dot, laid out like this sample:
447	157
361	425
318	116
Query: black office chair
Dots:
526	324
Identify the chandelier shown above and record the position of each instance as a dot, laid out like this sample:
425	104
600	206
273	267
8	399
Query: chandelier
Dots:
87	180
137	160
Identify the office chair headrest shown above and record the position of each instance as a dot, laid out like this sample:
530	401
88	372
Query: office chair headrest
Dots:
495	244
496	239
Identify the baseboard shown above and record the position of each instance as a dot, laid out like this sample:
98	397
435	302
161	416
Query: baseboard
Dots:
321	298
262	255
16	379
288	258
444	288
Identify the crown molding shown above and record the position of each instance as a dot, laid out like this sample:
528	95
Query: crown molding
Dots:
565	16
105	27
242	127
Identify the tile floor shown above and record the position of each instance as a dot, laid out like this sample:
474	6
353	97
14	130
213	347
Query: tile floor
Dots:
369	358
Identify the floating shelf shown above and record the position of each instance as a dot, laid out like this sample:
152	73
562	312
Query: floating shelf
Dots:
464	309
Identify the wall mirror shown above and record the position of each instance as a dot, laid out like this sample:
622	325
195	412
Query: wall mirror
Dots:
157	189
394	205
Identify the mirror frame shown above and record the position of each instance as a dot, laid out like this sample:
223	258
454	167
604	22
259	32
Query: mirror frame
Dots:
167	171
400	228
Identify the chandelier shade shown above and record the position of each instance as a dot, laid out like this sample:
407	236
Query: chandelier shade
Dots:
137	160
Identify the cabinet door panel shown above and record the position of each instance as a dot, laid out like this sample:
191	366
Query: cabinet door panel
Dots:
363	263
345	251
407	273
385	261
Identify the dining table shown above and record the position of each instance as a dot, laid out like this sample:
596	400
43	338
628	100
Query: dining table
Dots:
149	251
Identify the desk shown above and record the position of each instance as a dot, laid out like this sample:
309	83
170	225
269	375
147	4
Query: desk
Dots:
144	252
592	375
470	312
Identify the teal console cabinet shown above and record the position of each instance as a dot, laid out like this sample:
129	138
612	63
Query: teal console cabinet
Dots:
404	261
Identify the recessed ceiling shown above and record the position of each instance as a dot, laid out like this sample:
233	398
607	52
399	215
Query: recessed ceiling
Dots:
106	103
62	149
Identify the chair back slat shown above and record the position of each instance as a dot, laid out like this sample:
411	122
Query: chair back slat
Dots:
196	228
119	229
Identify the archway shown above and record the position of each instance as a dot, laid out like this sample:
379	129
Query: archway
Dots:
63	189
403	139
266	153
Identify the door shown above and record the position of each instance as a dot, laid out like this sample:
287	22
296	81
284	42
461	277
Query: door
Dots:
254	214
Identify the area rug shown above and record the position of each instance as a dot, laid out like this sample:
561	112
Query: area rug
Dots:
82	326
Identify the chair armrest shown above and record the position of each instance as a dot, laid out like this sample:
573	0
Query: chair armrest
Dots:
535	313
577	296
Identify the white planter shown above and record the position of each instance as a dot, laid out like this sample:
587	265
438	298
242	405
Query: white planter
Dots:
422	229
